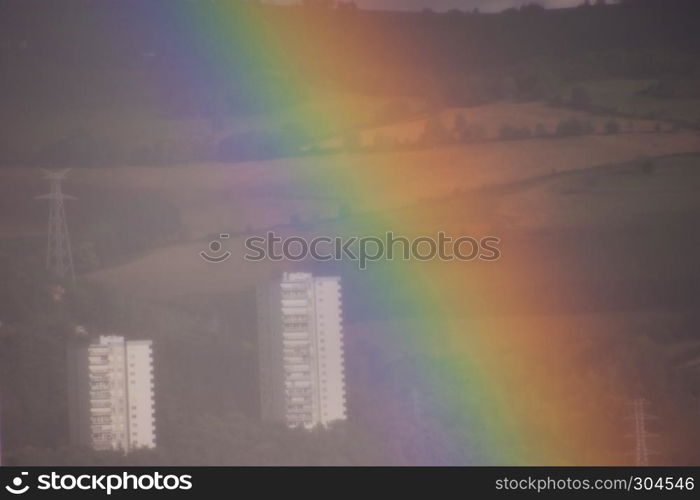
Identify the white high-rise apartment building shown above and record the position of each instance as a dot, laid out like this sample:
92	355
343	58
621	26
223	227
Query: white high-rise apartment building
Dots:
110	386
300	337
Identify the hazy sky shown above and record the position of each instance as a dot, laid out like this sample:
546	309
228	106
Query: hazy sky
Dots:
483	5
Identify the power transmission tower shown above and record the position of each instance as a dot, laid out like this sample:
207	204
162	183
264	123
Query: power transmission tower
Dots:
59	258
641	435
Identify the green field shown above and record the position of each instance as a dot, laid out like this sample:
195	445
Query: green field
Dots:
627	97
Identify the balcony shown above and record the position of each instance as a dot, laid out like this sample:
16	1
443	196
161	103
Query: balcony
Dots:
295	417
295	305
294	391
303	410
100	395
295	327
299	400
98	350
299	310
295	335
291	294
297	360
293	285
296	316
297	384
300	368
300	343
296	349
294	356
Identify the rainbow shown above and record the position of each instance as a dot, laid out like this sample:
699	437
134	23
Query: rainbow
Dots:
489	389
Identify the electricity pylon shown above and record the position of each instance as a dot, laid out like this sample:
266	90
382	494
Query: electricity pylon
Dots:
59	258
640	417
